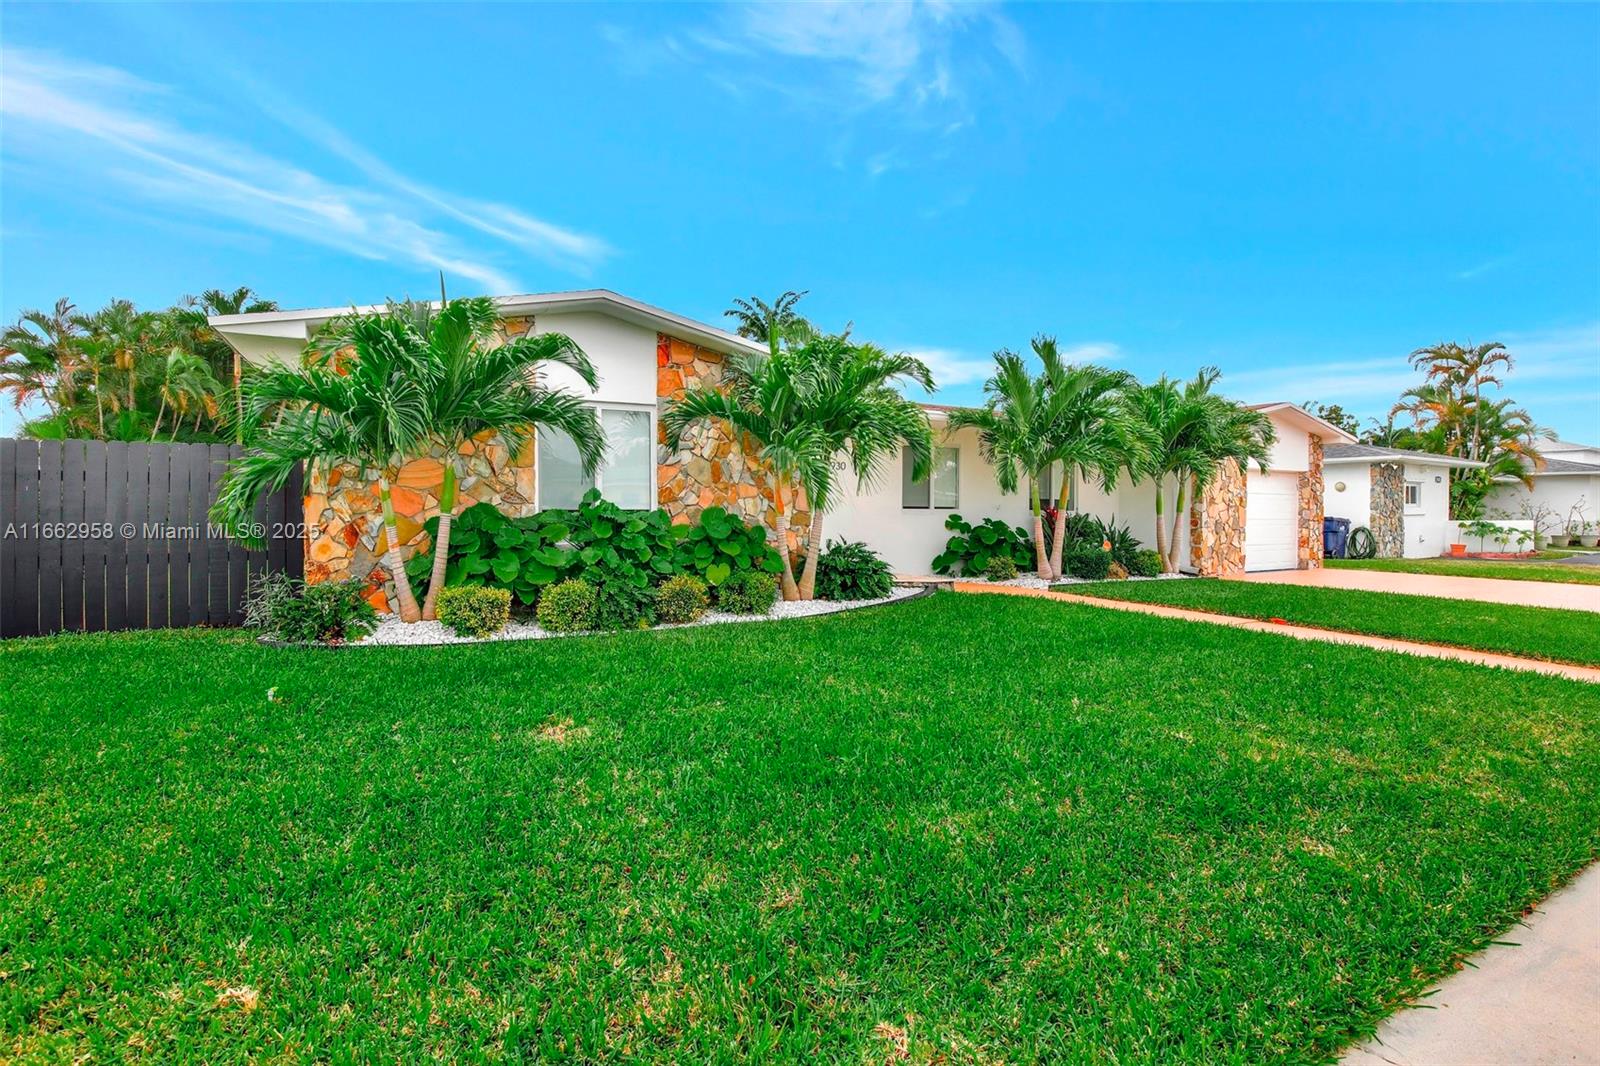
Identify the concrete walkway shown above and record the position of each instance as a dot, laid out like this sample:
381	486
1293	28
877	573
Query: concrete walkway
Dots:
1536	1003
1431	651
1571	597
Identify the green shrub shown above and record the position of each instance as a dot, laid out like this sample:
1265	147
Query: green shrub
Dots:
568	607
1001	568
1144	564
1124	545
681	599
973	546
748	592
849	570
292	611
720	545
1092	563
473	610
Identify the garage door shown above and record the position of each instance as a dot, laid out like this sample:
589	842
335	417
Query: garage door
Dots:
1271	536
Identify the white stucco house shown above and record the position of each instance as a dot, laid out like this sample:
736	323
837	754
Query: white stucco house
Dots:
645	355
1402	496
1567	487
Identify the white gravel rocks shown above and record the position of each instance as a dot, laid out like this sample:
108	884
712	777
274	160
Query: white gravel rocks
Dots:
393	631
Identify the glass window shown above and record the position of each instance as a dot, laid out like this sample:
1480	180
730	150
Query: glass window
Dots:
1414	494
1050	485
946	478
913	494
625	474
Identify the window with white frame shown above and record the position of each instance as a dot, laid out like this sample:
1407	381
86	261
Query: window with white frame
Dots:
941	489
1413	496
624	476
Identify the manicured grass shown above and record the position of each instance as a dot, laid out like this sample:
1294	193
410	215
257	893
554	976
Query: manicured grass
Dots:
1532	570
1534	632
991	828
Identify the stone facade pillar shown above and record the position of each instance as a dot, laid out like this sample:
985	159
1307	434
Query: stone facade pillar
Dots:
1216	524
1388	506
1310	557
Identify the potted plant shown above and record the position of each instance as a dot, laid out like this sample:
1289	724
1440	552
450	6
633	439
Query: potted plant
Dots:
1589	535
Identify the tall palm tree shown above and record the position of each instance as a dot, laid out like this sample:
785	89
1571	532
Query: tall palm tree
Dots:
1014	435
186	384
40	355
371	409
241	301
851	398
1191	432
1465	369
1093	432
773	324
475	386
761	405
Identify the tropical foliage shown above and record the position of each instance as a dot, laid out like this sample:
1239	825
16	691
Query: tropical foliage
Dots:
849	570
972	548
120	373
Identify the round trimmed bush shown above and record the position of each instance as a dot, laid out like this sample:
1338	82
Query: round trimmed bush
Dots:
474	610
748	592
1091	563
1001	568
681	599
1145	564
567	607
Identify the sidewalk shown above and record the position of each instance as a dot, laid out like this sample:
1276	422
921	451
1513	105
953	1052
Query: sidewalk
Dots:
1408	647
1536	1003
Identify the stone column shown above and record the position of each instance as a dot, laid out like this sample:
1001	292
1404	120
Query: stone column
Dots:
1216	524
1388	505
1311	510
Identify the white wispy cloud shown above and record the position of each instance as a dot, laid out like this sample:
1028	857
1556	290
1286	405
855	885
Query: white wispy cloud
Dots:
106	126
1478	270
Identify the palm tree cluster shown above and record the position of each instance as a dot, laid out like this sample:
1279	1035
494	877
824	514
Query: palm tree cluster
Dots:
1450	415
812	399
377	390
120	373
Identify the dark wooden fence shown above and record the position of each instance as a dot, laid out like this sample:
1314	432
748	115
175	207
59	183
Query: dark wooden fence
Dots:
98	535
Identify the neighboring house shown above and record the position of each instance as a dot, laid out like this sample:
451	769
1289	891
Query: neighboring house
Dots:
1567	486
645	356
1402	496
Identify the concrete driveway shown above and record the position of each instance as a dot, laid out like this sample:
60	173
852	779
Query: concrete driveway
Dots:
1486	589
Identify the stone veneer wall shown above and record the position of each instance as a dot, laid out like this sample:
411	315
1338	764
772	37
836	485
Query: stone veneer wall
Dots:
346	538
344	520
709	470
1216	524
1388	506
1311	508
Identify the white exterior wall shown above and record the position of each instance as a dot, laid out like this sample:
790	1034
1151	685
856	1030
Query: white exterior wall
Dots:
1292	449
1425	530
1355	500
623	354
1561	493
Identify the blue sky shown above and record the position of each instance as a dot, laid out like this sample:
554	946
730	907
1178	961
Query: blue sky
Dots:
1299	195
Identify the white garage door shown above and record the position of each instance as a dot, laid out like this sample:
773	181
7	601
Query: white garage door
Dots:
1271	537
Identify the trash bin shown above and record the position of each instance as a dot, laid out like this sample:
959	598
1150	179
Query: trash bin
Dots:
1335	534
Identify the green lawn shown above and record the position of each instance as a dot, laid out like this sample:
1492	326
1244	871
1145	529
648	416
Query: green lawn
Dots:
984	828
1534	570
1534	632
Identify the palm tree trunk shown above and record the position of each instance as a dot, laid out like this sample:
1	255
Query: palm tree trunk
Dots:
791	591
99	403
441	543
1177	517
1057	547
155	430
1041	561
1161	521
808	578
238	399
409	611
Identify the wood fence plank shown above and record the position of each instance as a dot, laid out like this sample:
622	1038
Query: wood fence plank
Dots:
216	546
117	539
10	540
277	554
198	457
51	455
137	510
238	566
72	513
24	594
96	540
158	502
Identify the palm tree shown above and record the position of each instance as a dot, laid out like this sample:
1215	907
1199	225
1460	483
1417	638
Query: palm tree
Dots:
241	301
474	386
1014	435
1458	369
1191	432
760	404
851	398
371	410
1093	430
186	383
39	356
773	324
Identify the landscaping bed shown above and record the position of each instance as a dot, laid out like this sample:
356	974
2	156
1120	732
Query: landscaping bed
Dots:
1532	632
970	828
1532	569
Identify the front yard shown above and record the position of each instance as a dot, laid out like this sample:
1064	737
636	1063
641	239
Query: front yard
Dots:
968	828
1554	568
1532	632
